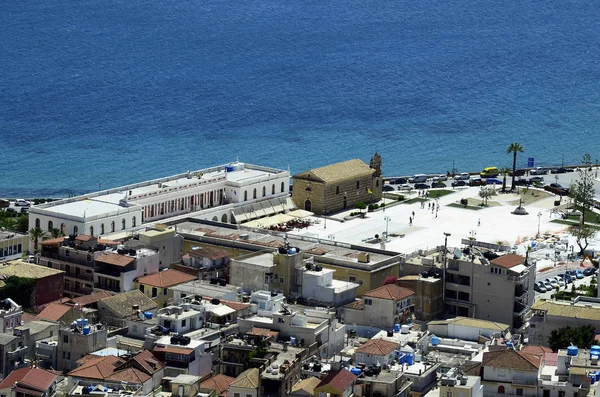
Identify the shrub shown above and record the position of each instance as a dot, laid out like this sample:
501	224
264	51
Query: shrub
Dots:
464	201
382	205
400	197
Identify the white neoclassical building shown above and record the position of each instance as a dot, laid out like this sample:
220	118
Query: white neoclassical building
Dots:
231	193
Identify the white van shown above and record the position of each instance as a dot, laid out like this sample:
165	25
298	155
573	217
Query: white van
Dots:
418	178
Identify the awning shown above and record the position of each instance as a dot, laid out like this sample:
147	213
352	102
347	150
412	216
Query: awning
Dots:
221	310
300	213
269	221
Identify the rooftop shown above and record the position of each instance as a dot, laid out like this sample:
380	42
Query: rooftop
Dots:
123	303
390	292
220	383
35	378
378	347
115	259
249	379
27	270
338	171
54	311
308	385
339	380
508	261
472	322
166	278
519	361
578	310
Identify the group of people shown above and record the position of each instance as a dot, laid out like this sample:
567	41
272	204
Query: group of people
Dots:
433	206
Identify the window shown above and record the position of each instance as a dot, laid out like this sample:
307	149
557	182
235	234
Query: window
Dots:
368	302
282	187
183	322
102	228
281	279
123	224
254	193
337	190
245	199
264	191
154	292
520	392
133	222
248	395
376	182
273	189
50	226
357	185
91	230
75	230
65	338
236	394
280	320
112	226
352	279
142	287
165	291
37	222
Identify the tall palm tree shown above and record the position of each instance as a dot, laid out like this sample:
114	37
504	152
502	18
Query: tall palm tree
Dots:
36	233
514	148
504	172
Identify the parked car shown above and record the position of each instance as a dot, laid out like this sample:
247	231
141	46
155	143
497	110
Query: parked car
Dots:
465	176
418	178
438	184
539	287
458	183
22	203
548	286
398	181
536	179
24	210
422	186
11	209
538	171
388	188
441	177
572	273
493	181
579	274
590	271
517	173
552	282
560	281
523	182
489	172
477	182
405	186
566	277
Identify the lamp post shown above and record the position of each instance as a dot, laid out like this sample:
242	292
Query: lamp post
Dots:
325	219
446	234
387	221
539	215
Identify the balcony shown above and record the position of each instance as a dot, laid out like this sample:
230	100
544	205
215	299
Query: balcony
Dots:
17	351
519	309
105	287
81	276
524	382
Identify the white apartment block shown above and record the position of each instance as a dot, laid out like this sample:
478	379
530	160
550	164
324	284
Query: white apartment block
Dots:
231	193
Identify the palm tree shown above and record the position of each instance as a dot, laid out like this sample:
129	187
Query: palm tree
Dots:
504	172
56	233
514	148
36	233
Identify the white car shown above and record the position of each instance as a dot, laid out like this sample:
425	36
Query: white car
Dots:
405	186
465	176
440	177
22	203
560	281
538	171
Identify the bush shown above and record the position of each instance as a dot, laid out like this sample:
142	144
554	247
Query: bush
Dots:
400	197
464	201
373	207
382	205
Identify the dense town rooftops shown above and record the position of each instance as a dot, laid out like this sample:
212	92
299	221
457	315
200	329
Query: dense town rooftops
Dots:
35	378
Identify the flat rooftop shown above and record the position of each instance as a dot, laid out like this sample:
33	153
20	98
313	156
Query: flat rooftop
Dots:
86	208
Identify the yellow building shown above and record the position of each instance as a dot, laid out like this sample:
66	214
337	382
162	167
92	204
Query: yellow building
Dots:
339	186
156	286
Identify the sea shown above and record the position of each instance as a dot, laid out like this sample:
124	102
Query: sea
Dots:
97	93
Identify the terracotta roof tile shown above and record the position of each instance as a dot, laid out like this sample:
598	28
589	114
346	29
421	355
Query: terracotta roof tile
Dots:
117	369
98	368
316	251
166	278
148	362
107	242
236	305
508	261
35	378
220	383
130	375
472	368
53	241
339	380
211	253
391	292
536	350
27	318
378	347
511	359
308	385
249	379
92	298
357	305
122	304
84	237
54	311
175	350
115	259
255	331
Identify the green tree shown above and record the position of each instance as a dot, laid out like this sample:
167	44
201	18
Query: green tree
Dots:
582	191
504	172
485	193
35	234
514	148
55	232
360	206
579	336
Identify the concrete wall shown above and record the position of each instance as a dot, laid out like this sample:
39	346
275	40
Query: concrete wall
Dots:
250	275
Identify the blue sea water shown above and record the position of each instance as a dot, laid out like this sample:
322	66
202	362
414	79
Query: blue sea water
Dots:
102	93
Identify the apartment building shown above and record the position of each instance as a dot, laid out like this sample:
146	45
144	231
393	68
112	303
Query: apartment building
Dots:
499	290
13	245
91	264
78	340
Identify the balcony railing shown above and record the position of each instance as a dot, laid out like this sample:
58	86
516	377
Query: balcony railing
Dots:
524	382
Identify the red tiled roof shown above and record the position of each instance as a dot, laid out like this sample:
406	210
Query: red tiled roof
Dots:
107	242
211	253
378	347
84	237
551	359
35	378
255	331
117	369
53	241
148	362
174	350
511	359
92	298
339	380
54	311
508	261
391	292
115	259
130	375
166	278
357	305
27	318
98	368
236	305
536	350
220	383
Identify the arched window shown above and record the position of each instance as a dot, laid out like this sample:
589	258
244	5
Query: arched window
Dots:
264	191
500	389
75	230
112	226
63	229
273	189
123	224
102	228
92	231
282	186
337	190
224	218
245	195
50	226
254	193
37	222
133	222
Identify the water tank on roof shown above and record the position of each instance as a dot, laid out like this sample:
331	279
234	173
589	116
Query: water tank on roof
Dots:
572	350
86	329
292	251
215	301
148	315
409	359
85	322
356	371
404	329
79	322
317	367
435	340
292	340
509	344
396	327
595	348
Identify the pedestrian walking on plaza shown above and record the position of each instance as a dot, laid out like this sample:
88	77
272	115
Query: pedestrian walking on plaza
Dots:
413	214
432	208
428	206
436	212
479	222
410	221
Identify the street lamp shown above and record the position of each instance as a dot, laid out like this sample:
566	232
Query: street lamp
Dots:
446	234
325	219
539	215
387	221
